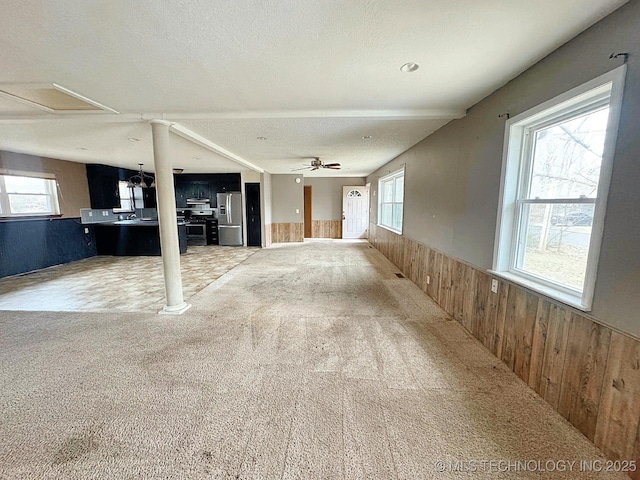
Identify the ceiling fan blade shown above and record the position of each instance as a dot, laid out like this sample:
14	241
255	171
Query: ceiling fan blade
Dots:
314	168
331	165
332	168
296	169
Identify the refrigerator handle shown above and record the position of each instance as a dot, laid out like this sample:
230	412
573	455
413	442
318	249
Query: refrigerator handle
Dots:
229	210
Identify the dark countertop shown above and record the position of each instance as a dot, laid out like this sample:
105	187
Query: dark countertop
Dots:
134	223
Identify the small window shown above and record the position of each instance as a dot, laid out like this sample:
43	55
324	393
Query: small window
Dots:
555	180
130	197
28	196
391	198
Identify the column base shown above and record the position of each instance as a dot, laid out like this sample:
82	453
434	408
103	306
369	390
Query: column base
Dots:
175	309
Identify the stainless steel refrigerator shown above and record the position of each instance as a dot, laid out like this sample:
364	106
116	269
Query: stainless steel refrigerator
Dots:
230	218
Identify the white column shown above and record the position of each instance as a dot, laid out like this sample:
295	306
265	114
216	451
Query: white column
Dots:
167	218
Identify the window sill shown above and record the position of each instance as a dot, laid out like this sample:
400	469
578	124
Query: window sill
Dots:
574	301
399	232
29	217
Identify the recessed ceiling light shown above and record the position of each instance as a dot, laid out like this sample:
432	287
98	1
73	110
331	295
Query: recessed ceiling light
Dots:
133	139
366	137
409	67
261	138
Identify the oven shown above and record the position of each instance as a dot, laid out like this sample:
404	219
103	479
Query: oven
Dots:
196	233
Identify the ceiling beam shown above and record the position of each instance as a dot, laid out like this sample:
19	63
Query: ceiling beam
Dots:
102	117
192	136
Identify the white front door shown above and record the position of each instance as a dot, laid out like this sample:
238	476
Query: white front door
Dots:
355	212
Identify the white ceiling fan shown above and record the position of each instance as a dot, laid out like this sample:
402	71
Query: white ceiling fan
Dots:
316	163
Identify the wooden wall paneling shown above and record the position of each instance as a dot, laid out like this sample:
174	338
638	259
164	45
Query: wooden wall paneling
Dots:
397	250
409	259
500	317
480	324
540	335
436	260
457	290
445	284
287	232
555	350
423	255
583	373
618	423
526	309
469	290
509	329
336	229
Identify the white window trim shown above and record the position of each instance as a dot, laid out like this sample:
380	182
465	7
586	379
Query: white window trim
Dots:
52	194
397	173
506	228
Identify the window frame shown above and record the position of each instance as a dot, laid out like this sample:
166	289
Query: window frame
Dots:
393	175
52	194
516	173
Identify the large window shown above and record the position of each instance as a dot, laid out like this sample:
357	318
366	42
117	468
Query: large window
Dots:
556	175
28	196
390	203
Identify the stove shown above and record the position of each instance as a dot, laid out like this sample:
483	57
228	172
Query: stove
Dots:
196	223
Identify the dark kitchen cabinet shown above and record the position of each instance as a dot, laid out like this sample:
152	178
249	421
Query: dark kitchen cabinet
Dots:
103	186
204	185
212	232
149	198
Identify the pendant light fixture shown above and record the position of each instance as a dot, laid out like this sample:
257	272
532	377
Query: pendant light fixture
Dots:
141	179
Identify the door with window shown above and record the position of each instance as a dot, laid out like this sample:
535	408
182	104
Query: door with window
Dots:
355	212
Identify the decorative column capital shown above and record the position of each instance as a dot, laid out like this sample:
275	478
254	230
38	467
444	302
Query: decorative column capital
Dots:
157	121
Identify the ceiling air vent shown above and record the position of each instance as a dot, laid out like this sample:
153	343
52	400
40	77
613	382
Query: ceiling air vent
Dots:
52	98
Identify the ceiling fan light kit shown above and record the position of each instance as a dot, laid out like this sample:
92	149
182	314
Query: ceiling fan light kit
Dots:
316	164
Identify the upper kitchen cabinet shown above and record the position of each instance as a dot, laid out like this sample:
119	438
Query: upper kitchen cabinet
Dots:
204	185
103	187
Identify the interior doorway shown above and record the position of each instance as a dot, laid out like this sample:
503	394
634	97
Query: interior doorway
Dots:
254	218
308	230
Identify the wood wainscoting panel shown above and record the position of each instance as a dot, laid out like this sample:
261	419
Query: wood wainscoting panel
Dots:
554	345
618	423
326	229
287	232
583	373
584	370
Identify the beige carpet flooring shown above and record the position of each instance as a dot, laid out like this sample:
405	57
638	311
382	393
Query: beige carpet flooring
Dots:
305	361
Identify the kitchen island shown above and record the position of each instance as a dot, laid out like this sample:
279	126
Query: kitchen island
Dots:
133	237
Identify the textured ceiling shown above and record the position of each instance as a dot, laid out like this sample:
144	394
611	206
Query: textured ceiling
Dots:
311	76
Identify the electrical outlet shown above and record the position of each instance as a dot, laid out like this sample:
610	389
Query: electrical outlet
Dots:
86	230
297	210
428	279
494	285
91	214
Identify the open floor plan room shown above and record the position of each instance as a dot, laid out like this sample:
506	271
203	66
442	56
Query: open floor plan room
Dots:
310	360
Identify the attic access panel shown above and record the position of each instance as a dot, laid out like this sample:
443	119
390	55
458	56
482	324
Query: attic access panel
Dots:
52	98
